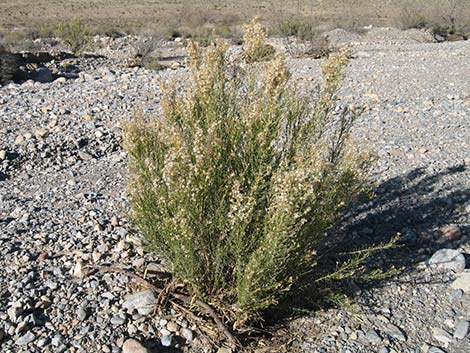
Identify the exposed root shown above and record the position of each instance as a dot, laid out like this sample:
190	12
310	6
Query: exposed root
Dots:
186	299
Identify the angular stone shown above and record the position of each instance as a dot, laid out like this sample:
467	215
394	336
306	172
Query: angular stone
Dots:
28	337
435	350
441	335
448	259
461	329
166	341
373	337
144	302
462	282
395	332
187	334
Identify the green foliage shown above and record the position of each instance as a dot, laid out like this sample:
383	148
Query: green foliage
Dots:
238	180
75	34
299	27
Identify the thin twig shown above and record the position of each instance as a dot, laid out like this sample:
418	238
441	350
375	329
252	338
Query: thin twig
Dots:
181	297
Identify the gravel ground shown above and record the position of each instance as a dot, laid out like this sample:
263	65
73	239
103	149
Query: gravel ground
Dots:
63	207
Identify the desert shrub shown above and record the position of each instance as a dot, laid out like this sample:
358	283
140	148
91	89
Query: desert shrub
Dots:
237	181
146	53
255	46
316	47
446	20
74	34
299	27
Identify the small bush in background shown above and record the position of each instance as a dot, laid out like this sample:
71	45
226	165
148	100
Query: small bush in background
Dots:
75	34
255	47
146	53
239	179
299	27
447	20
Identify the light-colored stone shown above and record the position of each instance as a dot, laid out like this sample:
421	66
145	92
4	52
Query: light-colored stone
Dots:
166	340
172	326
144	302
462	281
448	259
395	332
461	329
187	334
133	346
441	335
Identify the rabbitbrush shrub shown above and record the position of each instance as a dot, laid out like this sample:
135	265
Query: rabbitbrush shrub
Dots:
74	34
239	178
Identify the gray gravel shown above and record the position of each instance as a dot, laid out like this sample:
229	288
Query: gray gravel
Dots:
63	207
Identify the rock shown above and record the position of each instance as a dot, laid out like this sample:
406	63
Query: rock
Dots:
441	335
60	80
144	302
395	332
373	337
3	155
40	133
451	232
166	340
133	346
28	337
461	329
82	314
462	281
456	294
224	350
187	334
78	270
118	320
448	259
172	326
43	75
435	350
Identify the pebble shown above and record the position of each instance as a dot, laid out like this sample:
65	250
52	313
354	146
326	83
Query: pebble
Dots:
82	314
395	332
133	346
373	337
27	338
144	302
441	335
435	350
461	329
448	259
462	282
172	326
187	334
166	340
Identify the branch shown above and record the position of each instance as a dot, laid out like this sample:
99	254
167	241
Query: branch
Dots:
181	297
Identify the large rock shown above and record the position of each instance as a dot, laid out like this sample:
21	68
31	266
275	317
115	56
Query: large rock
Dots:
133	346
43	75
144	302
448	259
